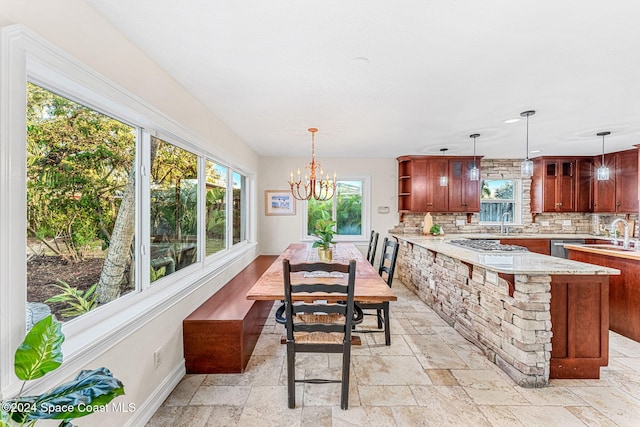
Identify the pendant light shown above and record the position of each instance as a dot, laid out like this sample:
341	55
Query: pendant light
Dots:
474	172
603	170
526	168
444	179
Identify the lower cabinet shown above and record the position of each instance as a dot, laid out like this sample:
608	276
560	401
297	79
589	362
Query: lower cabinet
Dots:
580	326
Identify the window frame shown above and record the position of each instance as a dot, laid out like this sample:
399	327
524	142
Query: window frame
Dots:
24	57
365	228
517	202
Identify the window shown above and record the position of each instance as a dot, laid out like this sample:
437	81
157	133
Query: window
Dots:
102	191
80	166
239	208
500	197
174	208
216	208
347	208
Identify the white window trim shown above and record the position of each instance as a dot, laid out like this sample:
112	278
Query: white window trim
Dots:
366	213
517	200
25	56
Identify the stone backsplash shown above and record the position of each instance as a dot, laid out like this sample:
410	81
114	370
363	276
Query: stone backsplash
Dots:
554	223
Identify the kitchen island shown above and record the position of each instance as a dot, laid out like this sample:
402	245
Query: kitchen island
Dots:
624	290
535	316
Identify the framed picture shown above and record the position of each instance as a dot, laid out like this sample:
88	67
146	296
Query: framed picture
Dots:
279	202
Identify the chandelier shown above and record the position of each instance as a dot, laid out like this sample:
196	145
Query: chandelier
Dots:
313	186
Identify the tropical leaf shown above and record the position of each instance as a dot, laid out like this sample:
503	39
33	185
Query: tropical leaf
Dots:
41	350
80	397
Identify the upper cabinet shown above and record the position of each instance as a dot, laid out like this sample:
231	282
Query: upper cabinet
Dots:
618	194
464	194
419	188
561	184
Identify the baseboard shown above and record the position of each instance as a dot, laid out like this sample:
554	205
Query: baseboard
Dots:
143	414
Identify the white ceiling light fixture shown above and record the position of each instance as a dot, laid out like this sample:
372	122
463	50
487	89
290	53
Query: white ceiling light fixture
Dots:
603	170
444	179
526	168
509	121
474	172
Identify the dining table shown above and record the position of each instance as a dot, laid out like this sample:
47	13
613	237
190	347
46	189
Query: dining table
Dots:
369	285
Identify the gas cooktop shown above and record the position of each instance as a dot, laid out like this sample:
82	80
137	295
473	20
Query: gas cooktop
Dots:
485	245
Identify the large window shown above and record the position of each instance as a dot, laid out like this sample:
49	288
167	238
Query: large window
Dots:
80	206
500	201
174	208
239	208
216	220
346	208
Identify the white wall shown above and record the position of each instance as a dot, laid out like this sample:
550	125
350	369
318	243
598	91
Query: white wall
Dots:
276	232
77	29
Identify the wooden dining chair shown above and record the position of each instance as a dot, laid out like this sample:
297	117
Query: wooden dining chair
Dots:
318	326
386	270
373	244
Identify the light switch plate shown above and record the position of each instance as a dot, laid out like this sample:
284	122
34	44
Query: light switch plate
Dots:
566	222
544	223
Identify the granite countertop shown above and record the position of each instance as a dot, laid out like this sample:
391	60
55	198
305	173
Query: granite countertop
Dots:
608	250
506	262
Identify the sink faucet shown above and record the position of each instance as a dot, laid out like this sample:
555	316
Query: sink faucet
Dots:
625	242
504	228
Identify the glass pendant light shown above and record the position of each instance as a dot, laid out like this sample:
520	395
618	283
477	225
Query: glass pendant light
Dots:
444	179
474	172
526	168
603	170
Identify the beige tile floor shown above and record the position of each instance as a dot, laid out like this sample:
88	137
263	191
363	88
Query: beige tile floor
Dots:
429	376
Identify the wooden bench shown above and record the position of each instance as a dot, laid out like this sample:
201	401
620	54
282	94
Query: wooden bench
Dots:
220	335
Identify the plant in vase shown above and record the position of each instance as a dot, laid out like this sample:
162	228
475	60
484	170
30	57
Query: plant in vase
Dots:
40	353
324	232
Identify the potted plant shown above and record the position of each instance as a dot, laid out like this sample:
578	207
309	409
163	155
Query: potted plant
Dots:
40	353
324	232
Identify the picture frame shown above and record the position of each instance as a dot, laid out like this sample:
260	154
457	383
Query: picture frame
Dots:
279	202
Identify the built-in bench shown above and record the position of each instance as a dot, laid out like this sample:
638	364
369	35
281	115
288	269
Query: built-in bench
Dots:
220	335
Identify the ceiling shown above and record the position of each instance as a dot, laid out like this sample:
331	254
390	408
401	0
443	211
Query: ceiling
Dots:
388	78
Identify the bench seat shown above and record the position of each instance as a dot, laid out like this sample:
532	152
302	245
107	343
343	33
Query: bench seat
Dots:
220	335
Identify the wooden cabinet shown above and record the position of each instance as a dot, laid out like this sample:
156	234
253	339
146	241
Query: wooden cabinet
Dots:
620	192
539	246
464	194
561	184
580	326
419	188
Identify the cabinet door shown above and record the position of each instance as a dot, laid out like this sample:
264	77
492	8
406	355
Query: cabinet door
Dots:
419	184
437	195
604	192
559	185
566	189
464	194
584	189
627	181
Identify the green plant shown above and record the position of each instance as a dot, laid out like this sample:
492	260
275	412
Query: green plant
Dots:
41	353
324	232
80	302
435	229
156	274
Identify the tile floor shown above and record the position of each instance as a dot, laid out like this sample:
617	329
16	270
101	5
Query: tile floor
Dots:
429	376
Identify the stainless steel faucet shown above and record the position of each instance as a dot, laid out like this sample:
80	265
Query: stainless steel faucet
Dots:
504	228
613	228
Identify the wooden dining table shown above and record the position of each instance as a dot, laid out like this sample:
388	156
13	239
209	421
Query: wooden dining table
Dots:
369	286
